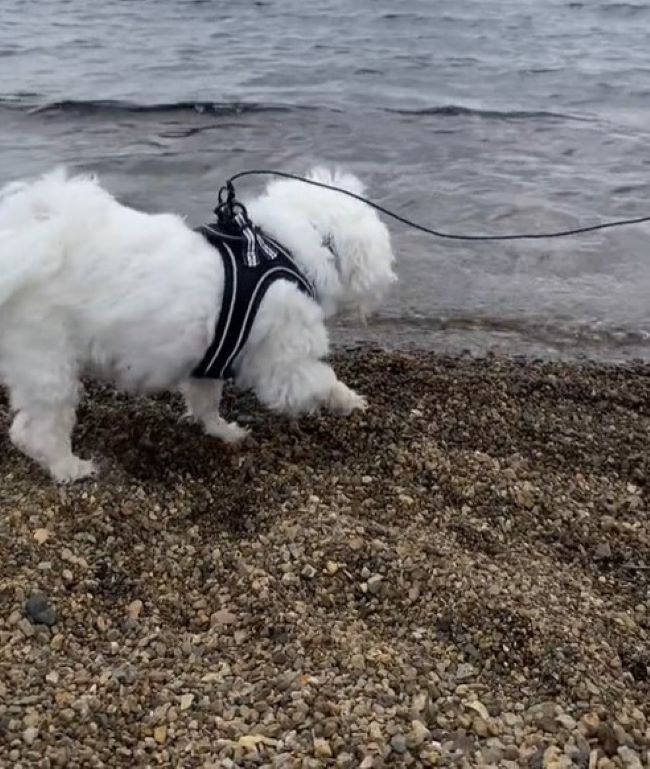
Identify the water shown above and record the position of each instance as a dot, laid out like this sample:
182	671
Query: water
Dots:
481	116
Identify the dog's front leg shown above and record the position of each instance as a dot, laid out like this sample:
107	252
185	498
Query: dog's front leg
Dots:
304	387
202	398
343	400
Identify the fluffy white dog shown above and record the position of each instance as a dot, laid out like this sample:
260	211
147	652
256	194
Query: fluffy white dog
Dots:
89	287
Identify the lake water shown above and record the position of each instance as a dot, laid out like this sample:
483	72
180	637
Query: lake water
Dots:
476	116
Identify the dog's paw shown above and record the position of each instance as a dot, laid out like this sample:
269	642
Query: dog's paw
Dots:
344	401
362	404
357	403
228	432
73	469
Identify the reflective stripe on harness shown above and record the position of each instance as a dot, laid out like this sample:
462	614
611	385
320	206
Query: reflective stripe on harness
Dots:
252	262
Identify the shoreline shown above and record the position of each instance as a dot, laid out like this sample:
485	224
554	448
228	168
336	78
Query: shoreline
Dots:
478	343
460	576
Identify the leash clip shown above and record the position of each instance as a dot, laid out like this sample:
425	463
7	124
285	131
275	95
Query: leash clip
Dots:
232	218
229	211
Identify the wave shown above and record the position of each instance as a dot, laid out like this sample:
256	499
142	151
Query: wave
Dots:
627	9
113	107
35	105
455	110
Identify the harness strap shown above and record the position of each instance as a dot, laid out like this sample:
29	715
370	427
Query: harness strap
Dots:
248	274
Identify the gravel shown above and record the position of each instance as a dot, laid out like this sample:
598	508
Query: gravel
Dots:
458	577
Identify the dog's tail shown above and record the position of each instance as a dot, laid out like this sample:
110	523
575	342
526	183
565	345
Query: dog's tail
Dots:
25	203
31	242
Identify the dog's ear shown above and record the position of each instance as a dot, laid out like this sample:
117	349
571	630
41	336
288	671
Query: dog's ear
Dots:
365	260
337	178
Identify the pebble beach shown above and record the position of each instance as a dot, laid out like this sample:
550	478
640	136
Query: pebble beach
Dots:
458	577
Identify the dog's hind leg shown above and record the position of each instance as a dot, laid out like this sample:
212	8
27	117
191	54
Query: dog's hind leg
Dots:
43	423
43	432
202	398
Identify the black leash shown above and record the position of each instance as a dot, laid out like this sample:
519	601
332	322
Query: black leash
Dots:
227	200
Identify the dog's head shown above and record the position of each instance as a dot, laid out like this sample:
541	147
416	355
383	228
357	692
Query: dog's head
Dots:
340	243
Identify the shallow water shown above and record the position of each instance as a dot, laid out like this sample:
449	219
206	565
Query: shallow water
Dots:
482	116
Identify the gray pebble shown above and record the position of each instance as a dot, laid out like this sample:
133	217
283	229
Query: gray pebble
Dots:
39	610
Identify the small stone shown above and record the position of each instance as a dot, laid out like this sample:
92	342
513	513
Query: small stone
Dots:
374	584
492	755
357	662
32	719
565	720
56	644
479	708
160	734
134	609
551	757
322	748
26	627
465	671
629	757
374	732
41	536
590	723
398	743
607	739
39	611
308	571
525	495
14	618
622	737
419	732
68	715
603	552
222	617
29	735
480	726
52	677
332	567
186	701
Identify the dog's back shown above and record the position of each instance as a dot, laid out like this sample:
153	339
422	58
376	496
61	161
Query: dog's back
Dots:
119	284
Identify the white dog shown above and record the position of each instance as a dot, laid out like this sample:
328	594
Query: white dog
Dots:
89	287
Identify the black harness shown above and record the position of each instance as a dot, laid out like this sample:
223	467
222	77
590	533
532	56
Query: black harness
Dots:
252	262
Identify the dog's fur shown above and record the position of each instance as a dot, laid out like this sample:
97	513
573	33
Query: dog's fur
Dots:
89	287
